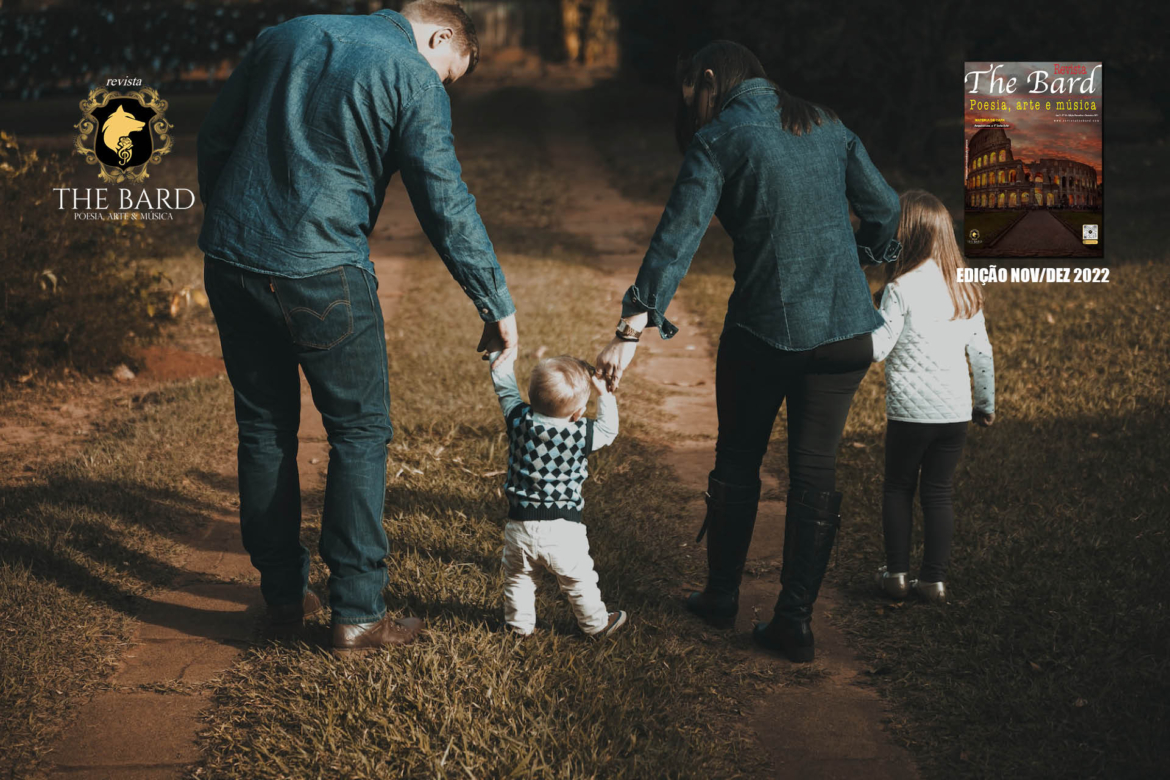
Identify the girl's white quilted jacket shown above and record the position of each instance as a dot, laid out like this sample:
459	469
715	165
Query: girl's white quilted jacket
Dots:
926	349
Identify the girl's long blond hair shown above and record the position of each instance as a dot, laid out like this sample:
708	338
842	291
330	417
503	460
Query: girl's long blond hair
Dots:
925	231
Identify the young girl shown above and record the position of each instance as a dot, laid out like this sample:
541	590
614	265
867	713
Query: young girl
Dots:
934	322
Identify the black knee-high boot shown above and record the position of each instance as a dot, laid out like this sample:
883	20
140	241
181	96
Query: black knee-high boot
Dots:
731	517
810	528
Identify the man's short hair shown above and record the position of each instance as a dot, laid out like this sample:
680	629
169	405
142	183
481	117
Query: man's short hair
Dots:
559	386
448	13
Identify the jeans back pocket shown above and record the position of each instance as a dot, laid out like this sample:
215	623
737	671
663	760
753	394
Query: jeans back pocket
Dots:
316	309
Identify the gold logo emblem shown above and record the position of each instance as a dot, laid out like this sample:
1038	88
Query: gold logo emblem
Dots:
973	234
123	134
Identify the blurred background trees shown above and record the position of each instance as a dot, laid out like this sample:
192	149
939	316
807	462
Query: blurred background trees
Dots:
70	293
891	68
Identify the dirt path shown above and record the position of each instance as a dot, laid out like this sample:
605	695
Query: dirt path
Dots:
832	728
145	725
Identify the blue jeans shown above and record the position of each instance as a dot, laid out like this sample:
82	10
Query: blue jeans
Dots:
331	326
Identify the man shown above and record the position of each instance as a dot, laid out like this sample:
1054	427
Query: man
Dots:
294	159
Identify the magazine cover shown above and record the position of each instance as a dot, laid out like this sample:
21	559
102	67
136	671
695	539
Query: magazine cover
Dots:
1034	185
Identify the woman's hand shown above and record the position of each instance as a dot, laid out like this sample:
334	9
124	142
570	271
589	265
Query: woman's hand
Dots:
613	360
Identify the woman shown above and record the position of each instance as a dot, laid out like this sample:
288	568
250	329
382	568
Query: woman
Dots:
781	175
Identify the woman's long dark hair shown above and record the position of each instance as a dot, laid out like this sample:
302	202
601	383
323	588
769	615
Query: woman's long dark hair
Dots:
732	65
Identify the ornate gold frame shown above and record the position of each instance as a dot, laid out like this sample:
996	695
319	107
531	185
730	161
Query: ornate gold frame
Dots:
86	126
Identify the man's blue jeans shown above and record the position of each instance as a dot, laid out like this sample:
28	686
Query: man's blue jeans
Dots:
331	326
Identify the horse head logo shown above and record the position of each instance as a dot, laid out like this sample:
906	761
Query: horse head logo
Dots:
116	133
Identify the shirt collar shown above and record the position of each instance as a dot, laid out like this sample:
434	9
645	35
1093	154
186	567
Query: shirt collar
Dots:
551	422
748	87
400	21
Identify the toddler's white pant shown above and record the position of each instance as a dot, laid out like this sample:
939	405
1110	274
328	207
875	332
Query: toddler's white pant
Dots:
562	547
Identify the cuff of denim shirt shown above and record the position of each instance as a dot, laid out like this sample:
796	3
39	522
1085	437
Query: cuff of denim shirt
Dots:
632	303
496	307
892	252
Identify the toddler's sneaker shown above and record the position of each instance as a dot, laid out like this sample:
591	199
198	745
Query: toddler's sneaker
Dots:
616	621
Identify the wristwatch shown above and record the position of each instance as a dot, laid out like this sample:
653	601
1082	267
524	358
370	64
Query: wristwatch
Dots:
627	333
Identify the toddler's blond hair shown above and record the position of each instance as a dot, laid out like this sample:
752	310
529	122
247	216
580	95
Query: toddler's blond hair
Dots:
559	386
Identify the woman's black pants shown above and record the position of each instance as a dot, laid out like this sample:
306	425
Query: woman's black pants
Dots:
752	380
922	455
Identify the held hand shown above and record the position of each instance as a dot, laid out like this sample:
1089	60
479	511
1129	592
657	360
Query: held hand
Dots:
613	360
500	337
983	419
598	383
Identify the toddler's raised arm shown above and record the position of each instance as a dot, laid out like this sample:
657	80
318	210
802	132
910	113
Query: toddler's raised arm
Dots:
605	427
504	381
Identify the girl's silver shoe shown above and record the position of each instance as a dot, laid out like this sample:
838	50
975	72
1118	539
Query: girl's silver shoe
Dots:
893	583
934	592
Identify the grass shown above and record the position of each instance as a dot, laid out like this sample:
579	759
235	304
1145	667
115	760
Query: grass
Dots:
83	539
1051	660
631	127
471	699
87	537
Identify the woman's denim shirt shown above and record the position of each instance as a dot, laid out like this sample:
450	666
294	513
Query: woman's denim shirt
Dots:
296	153
784	200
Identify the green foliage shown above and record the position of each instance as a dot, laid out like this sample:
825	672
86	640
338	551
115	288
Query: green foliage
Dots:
68	297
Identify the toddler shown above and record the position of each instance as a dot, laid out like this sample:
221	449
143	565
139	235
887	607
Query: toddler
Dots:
549	440
934	323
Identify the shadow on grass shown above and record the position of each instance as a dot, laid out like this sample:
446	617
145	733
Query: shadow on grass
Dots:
227	484
1056	578
112	543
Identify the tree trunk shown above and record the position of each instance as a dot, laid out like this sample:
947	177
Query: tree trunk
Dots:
571	24
600	43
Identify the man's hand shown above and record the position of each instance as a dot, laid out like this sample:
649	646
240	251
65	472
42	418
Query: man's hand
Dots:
983	419
500	337
613	360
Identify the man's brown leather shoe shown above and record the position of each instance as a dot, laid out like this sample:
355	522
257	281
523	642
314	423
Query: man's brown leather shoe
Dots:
367	637
290	618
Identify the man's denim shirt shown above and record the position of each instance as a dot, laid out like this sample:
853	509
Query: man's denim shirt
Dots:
296	153
784	200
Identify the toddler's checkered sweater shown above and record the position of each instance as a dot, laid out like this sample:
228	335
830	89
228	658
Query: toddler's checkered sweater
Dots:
547	456
546	466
